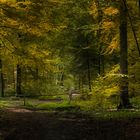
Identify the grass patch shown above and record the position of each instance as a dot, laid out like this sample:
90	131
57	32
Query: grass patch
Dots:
105	114
86	108
53	97
62	106
4	104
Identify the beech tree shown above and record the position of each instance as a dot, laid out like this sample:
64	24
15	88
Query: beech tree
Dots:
124	99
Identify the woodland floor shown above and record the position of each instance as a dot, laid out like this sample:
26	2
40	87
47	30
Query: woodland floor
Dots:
23	124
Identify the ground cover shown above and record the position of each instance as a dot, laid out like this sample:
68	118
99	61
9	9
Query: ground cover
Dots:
23	123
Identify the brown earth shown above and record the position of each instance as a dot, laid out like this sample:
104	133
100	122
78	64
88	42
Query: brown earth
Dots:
22	124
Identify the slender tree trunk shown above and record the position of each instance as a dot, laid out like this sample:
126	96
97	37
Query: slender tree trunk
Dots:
100	60
103	64
124	99
79	82
89	74
1	80
62	79
100	14
82	82
139	7
36	74
18	80
14	79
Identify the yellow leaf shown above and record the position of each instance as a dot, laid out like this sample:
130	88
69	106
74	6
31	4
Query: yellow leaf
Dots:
111	11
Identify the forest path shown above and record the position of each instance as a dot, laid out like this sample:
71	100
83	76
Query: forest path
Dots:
23	124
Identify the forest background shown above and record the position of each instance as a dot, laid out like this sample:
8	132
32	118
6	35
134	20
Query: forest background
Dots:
50	47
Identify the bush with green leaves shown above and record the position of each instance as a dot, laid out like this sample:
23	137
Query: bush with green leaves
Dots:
42	87
85	93
134	80
105	89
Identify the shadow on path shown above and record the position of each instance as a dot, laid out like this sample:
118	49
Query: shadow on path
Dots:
22	124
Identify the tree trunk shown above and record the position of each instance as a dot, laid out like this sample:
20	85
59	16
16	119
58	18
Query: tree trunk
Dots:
18	80
139	7
62	79
79	82
88	68
14	79
1	80
103	65
99	19
36	74
124	99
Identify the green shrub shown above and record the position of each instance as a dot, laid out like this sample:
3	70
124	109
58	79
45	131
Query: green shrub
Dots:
85	94
135	101
105	89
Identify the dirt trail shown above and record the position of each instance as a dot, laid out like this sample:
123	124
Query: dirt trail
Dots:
22	124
